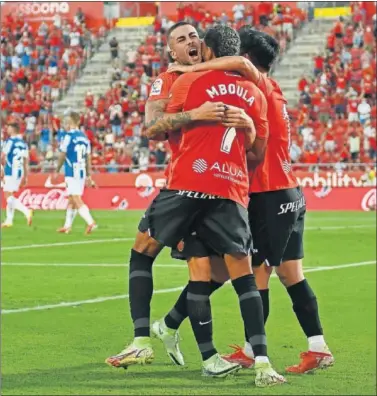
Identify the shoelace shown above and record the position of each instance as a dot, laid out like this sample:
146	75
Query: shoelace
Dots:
237	348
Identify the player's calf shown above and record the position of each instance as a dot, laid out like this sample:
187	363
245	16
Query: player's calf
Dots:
250	302
305	306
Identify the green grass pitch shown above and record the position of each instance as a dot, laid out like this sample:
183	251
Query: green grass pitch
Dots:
65	309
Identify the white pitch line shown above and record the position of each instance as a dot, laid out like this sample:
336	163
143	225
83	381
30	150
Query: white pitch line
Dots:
320	228
10	264
161	291
41	245
110	240
75	303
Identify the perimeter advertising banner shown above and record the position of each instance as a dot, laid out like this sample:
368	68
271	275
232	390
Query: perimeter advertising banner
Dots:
127	191
33	12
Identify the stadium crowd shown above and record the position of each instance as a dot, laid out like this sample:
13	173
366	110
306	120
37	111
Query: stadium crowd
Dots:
334	121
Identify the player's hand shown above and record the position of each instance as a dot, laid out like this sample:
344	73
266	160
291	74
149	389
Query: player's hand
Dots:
237	118
24	181
180	68
90	182
209	111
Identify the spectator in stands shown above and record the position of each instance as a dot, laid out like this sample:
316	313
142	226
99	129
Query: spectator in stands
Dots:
358	37
74	38
373	147
328	139
30	121
305	96
160	154
238	12
352	106
364	111
79	18
369	132
114	48
324	109
109	139
303	82
307	136
44	138
295	152
354	146
116	116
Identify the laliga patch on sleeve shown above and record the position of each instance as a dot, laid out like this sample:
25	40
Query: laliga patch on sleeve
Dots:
156	87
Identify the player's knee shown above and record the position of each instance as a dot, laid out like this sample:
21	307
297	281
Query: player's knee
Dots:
262	275
199	269
77	201
219	272
145	244
290	272
238	265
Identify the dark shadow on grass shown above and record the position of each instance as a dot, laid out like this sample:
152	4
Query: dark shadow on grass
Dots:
98	377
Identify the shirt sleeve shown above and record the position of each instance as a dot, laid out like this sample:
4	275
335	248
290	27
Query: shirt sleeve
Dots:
161	87
264	85
179	92
26	152
65	143
7	147
258	112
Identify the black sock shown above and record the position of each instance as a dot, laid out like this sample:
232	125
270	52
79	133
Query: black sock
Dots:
179	312
199	311
306	308
264	294
252	313
141	290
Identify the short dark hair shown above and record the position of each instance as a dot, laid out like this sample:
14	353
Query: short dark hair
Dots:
261	48
176	26
15	125
223	40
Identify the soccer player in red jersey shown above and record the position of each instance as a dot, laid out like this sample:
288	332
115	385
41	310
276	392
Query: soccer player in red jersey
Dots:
277	206
185	48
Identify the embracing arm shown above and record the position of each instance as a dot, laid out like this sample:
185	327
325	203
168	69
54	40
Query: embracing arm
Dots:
158	123
226	63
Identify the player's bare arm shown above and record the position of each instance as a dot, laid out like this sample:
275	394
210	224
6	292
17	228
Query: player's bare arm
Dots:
256	153
159	123
26	170
88	163
226	63
61	160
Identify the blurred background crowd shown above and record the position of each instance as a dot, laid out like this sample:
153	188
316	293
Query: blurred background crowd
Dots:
333	121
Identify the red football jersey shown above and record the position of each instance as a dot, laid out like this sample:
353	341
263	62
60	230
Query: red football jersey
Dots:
212	158
160	90
275	172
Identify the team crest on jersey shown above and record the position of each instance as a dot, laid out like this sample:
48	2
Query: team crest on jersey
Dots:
156	87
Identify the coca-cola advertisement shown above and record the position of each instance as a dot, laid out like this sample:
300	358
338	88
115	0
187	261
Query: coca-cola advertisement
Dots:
127	191
113	198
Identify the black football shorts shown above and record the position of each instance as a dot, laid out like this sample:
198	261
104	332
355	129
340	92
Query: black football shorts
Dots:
277	226
221	224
